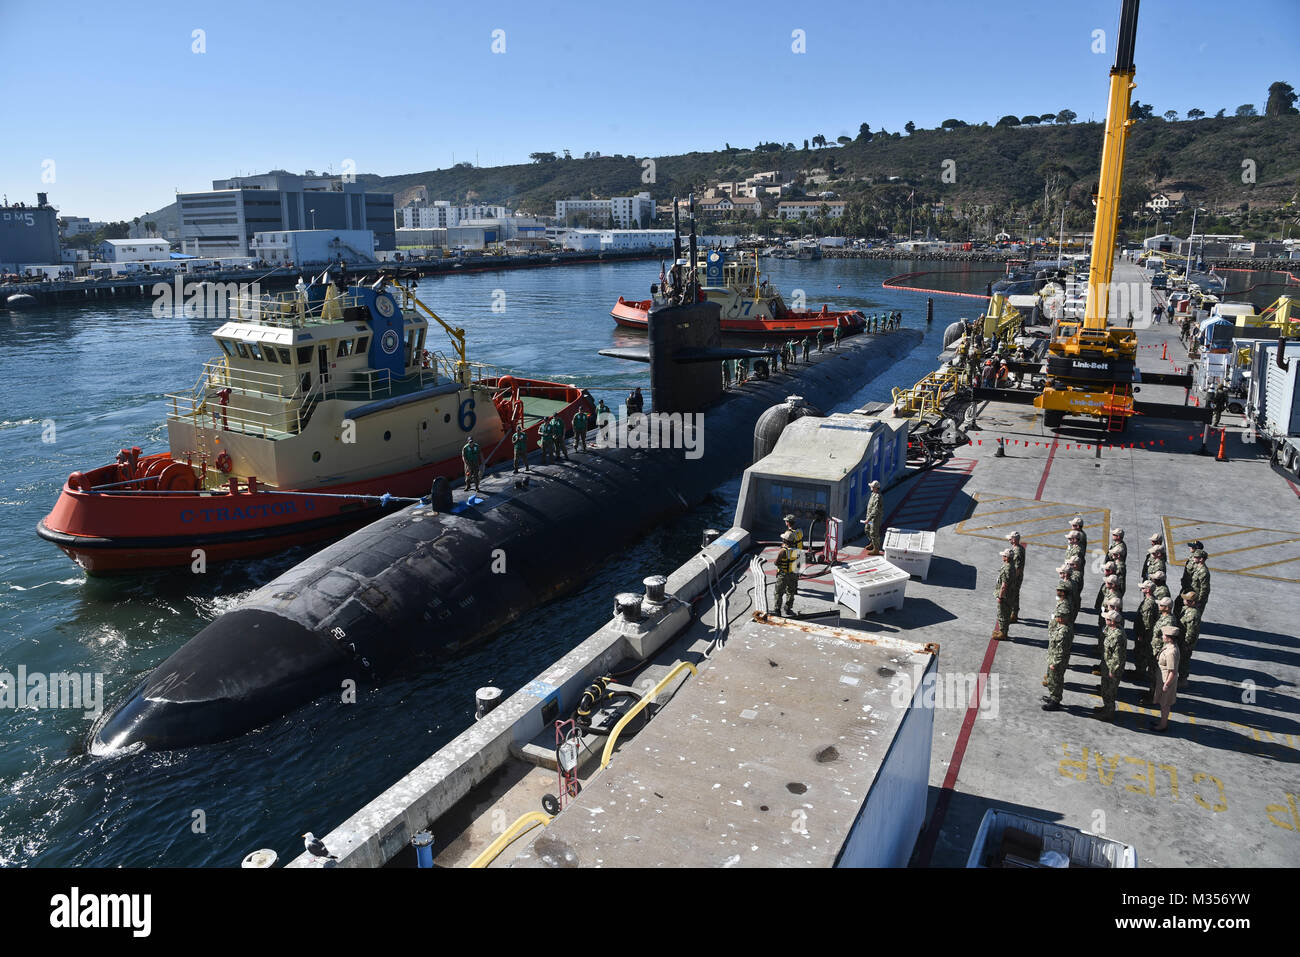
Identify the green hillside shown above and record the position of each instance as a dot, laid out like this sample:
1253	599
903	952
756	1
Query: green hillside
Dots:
997	174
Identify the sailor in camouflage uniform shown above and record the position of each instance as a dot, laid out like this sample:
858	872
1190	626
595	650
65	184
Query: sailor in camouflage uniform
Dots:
1108	599
1060	639
1076	525
1155	562
1158	587
1018	578
1108	579
875	518
1075	566
1118	554
1113	647
1143	622
1002	592
787	573
1062	610
1186	583
1200	581
1191	622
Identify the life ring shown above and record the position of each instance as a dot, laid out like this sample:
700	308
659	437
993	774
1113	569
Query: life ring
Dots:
224	462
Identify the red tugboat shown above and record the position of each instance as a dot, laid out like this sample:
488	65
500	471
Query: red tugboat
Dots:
323	406
751	306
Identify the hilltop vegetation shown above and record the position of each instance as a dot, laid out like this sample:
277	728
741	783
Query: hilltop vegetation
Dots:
963	179
986	176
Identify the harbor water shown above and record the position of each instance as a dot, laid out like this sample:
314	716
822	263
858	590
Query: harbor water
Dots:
78	383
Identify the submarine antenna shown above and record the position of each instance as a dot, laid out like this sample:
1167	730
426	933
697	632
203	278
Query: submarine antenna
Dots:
677	232
693	286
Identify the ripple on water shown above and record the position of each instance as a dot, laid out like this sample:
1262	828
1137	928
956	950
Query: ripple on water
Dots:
308	771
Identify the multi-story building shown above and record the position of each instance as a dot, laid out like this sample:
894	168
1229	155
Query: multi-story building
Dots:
223	221
626	212
28	234
79	226
442	215
303	247
809	208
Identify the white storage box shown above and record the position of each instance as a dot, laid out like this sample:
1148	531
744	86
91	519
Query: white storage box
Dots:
872	584
910	550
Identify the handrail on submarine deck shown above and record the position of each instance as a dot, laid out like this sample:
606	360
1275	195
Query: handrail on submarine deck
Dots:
633	711
524	823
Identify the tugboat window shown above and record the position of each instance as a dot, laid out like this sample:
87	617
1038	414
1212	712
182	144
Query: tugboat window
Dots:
362	343
226	348
243	353
270	355
304	355
315	456
284	356
345	348
387	436
255	350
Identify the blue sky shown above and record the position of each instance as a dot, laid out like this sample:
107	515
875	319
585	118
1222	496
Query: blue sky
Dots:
114	95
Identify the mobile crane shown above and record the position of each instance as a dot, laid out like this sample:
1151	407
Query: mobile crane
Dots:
1091	366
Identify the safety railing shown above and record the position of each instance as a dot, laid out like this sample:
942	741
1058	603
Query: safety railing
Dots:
203	408
508	836
291	309
927	396
641	705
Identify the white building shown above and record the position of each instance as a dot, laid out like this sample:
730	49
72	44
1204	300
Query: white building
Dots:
809	209
442	215
626	212
133	250
619	239
303	247
582	240
80	226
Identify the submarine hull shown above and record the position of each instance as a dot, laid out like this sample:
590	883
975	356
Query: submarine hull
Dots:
421	584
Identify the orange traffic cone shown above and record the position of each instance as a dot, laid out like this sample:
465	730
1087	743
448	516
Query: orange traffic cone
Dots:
1223	455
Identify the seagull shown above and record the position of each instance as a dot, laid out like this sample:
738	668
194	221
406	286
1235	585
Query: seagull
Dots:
316	847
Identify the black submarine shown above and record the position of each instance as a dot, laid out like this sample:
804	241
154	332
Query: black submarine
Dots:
438	576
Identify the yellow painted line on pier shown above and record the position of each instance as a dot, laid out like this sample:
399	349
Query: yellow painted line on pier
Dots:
1280	546
1030	516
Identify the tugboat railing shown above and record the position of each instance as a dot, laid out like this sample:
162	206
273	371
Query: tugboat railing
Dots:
290	309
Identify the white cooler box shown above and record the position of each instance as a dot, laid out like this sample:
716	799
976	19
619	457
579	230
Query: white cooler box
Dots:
909	550
871	584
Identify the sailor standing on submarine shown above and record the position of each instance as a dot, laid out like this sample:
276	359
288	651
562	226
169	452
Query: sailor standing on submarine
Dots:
472	456
519	439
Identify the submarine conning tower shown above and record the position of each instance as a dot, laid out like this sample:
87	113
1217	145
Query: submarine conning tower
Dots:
676	333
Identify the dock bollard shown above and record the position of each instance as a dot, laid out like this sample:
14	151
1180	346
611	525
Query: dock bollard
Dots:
485	699
654	588
627	606
422	841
